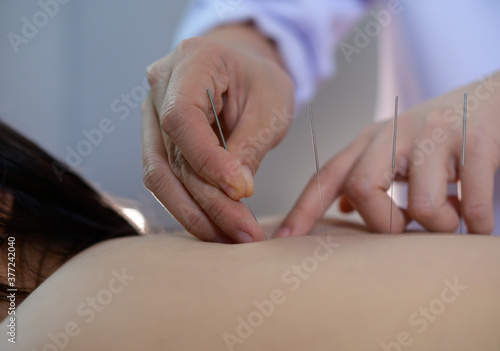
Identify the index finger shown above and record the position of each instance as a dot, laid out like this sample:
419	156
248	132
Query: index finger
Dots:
160	180
307	210
366	189
185	119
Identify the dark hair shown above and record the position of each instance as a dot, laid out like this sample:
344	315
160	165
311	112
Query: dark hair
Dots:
53	211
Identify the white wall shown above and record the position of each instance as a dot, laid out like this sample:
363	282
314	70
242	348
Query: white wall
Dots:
90	53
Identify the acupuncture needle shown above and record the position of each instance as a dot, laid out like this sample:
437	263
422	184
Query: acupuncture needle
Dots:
463	162
395	128
225	147
316	160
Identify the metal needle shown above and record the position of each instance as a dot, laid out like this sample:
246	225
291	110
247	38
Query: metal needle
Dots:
225	147
316	159
395	124
463	162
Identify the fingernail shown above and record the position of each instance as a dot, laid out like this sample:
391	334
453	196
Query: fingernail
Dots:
243	237
282	233
247	174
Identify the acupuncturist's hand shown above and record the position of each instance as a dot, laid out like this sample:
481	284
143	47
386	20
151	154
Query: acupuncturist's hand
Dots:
428	156
184	164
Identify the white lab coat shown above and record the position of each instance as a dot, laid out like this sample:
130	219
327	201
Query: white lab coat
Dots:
427	47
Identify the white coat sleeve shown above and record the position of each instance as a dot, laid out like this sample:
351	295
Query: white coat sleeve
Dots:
306	32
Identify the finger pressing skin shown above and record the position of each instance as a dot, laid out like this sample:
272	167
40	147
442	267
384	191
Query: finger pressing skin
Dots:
307	210
367	184
231	216
428	201
478	184
160	180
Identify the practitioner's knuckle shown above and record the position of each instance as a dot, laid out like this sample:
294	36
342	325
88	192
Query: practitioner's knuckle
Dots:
199	55
170	116
217	212
194	223
422	209
153	172
181	169
358	187
187	46
154	73
476	210
172	121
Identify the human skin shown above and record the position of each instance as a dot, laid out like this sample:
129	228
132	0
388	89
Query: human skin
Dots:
361	173
184	165
361	292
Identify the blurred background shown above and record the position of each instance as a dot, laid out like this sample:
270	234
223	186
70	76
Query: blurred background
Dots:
79	67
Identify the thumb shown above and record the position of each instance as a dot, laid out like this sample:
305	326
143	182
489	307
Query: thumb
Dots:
253	137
